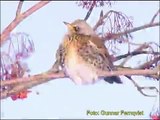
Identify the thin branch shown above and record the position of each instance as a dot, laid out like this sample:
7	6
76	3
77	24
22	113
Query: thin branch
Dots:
19	19
100	21
135	53
19	8
155	15
149	63
119	20
117	35
90	11
140	89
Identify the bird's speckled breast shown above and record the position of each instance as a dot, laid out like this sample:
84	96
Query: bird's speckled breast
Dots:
76	68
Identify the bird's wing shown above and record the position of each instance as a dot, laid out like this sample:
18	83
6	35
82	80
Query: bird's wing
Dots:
60	54
108	64
99	45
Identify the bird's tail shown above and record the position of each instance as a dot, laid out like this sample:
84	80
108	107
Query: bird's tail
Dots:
113	79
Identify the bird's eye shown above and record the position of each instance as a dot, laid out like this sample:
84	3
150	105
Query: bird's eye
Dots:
76	28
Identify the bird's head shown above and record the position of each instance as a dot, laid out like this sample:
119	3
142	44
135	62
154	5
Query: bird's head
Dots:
80	27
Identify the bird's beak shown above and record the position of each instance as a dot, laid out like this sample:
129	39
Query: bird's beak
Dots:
70	27
66	23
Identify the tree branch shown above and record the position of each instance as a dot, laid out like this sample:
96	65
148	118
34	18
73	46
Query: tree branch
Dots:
148	64
117	35
101	19
128	72
20	18
135	53
90	11
34	80
28	82
19	8
140	89
155	15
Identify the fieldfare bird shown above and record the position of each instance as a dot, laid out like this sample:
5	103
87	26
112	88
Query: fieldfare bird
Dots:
82	54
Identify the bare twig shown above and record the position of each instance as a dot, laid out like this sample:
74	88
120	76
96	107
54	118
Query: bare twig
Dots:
19	8
100	21
117	35
155	15
142	47
140	89
19	19
149	63
119	22
90	11
135	53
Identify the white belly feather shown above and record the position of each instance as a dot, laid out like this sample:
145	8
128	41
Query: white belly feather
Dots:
78	71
